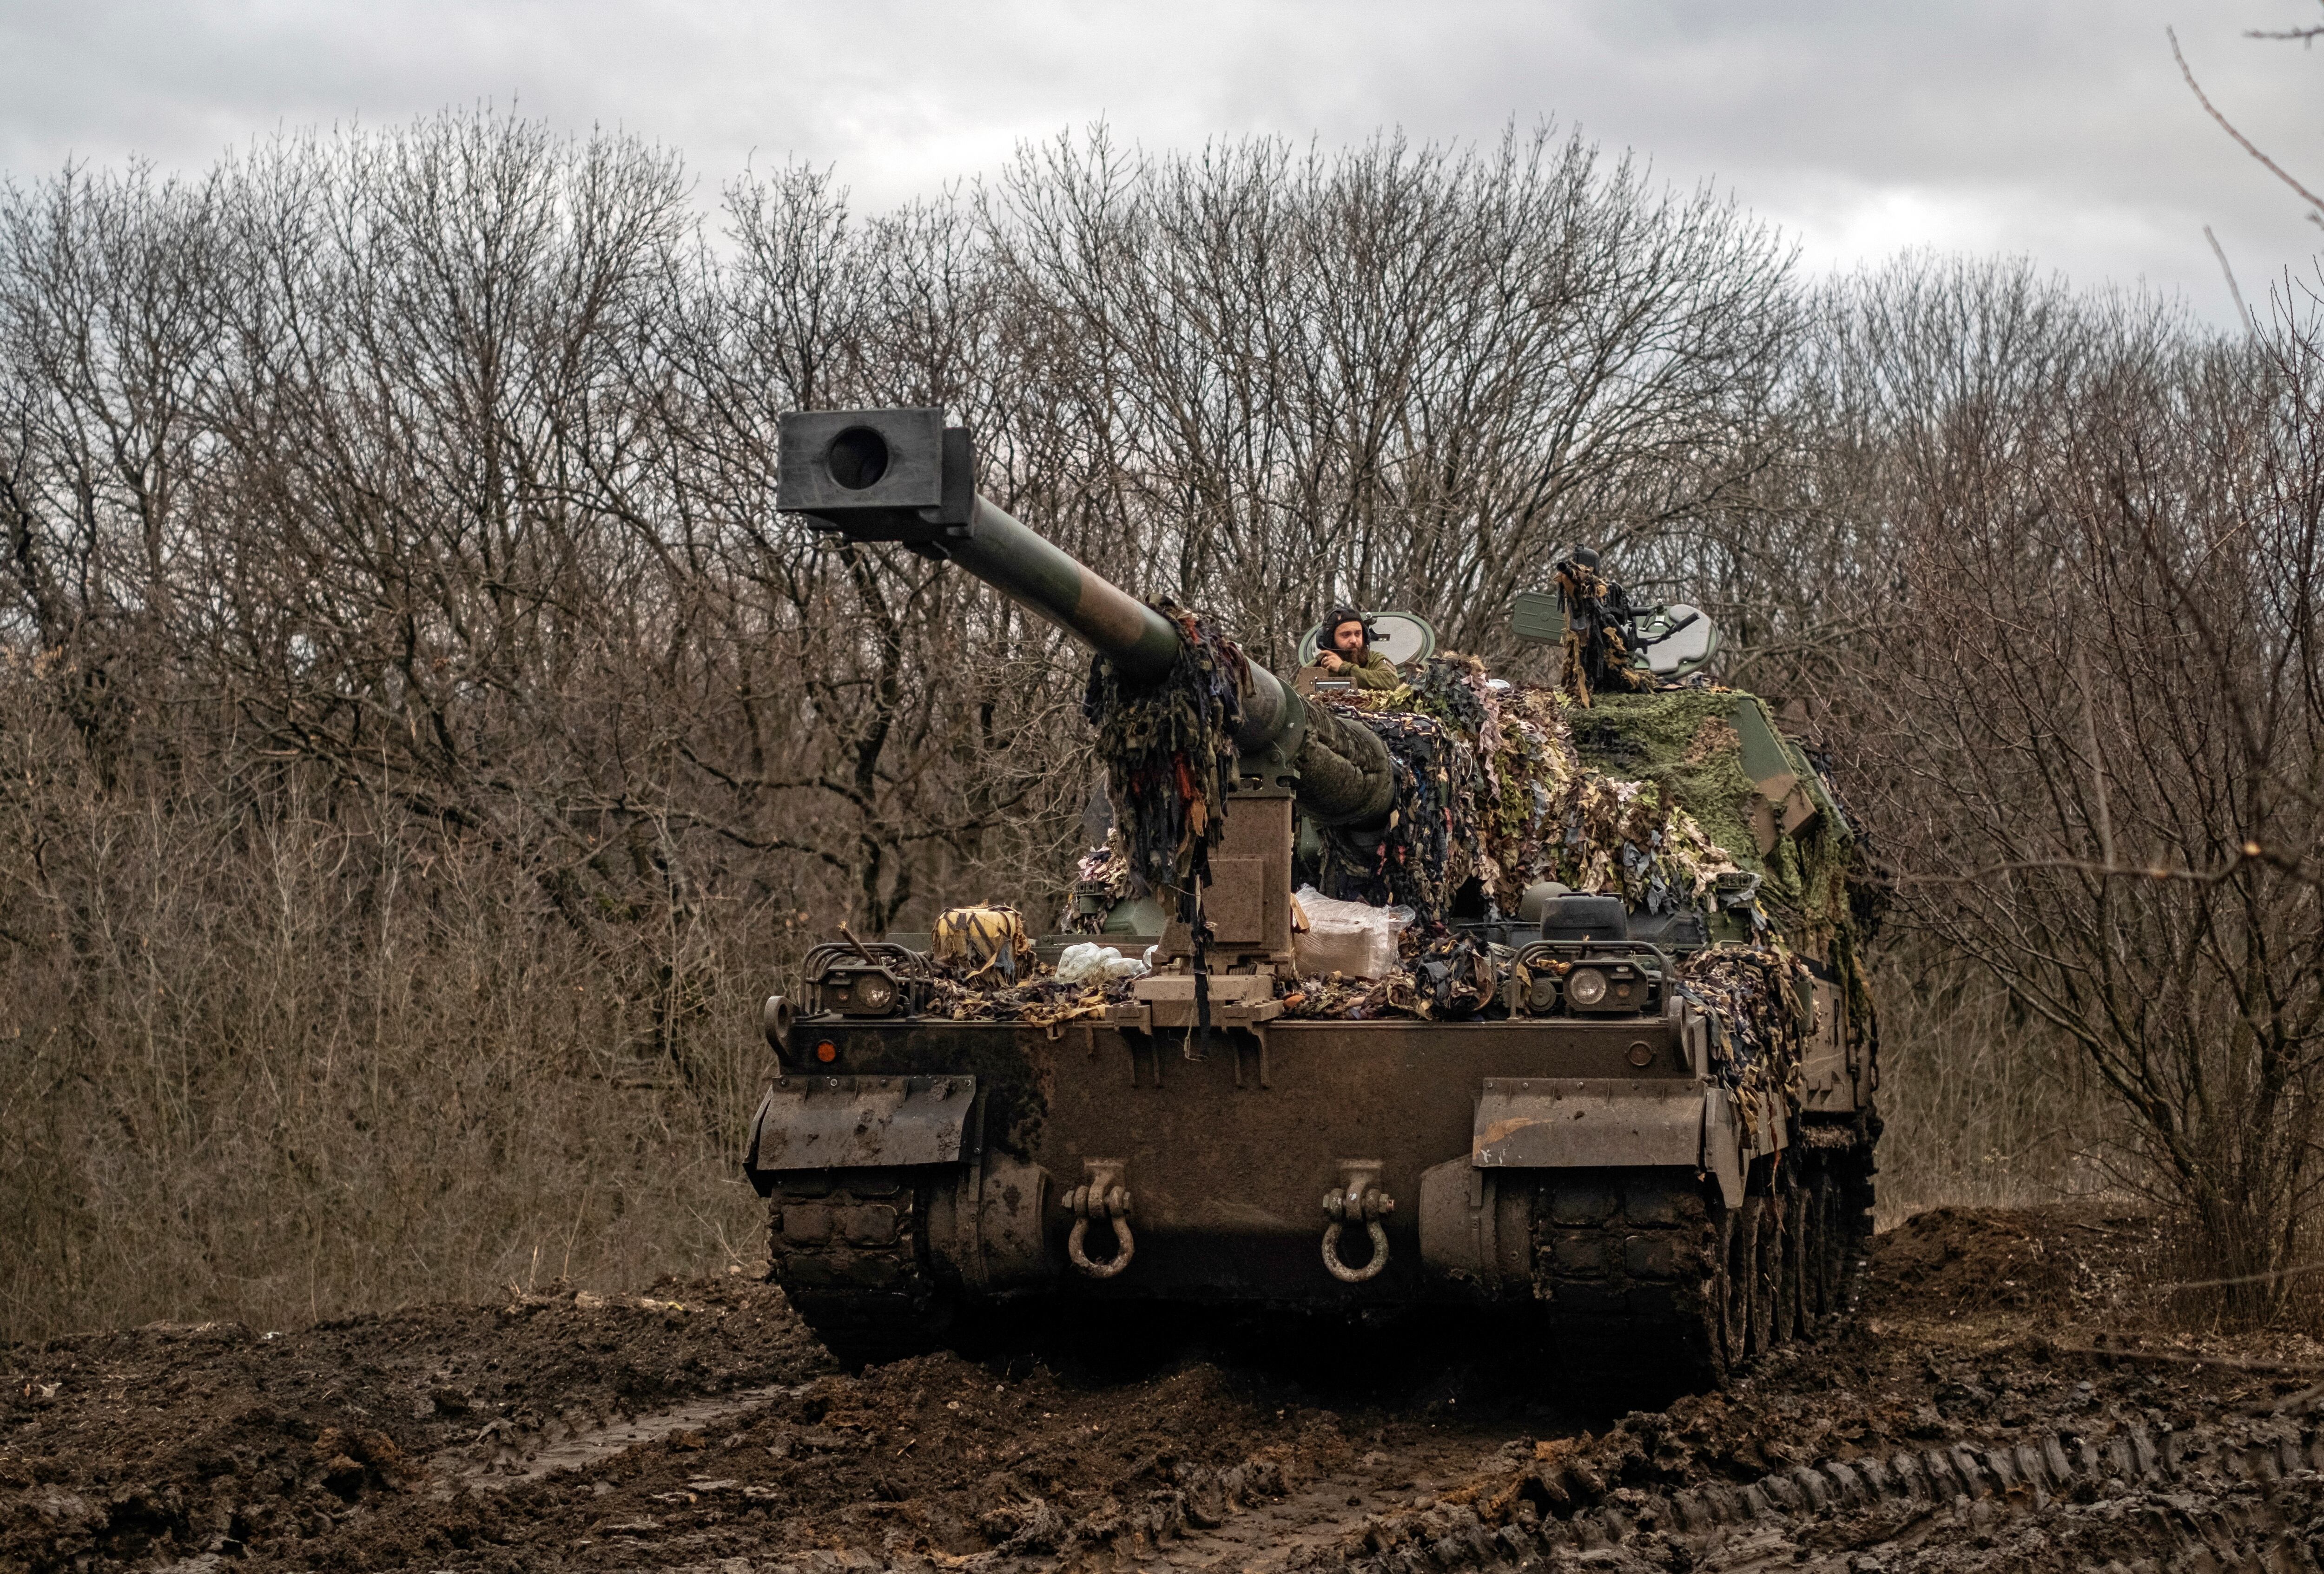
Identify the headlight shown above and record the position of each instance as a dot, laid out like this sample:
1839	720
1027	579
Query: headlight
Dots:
1585	986
874	993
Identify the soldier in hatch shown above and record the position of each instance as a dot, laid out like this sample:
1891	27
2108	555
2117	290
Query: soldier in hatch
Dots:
1347	652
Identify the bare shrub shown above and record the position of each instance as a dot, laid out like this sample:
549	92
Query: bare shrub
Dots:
270	1064
1982	1105
2097	712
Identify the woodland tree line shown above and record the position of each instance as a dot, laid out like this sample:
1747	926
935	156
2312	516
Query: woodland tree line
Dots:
422	742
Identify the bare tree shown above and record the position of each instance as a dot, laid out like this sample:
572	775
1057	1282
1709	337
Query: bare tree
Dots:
2097	708
1408	375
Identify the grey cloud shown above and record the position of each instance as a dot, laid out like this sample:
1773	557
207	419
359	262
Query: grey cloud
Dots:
2060	131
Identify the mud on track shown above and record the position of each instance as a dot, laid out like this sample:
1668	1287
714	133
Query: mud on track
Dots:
1964	1421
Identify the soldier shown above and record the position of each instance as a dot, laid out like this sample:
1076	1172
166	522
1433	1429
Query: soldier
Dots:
1347	652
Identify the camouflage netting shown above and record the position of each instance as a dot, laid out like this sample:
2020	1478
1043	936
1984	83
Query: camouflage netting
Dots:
1168	749
1042	1001
1602	632
1684	741
1759	1028
1436	845
1353	1000
957	990
1641	794
1451	977
1491	787
1101	881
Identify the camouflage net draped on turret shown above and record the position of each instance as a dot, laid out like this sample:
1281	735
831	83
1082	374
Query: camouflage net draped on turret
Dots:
1169	750
1431	848
1489	787
1491	797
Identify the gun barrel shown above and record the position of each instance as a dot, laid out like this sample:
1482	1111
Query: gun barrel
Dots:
1033	572
902	475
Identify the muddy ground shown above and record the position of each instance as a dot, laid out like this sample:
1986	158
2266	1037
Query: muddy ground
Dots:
2002	1399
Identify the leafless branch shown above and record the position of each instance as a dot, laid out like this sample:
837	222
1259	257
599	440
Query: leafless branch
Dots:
2315	204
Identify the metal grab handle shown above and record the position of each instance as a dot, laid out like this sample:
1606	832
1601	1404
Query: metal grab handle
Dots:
1101	1198
1359	1201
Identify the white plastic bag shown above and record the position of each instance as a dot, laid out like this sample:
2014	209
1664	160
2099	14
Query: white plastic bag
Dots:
1088	962
1353	939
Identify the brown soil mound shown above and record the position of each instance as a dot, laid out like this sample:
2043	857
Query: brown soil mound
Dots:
2071	1257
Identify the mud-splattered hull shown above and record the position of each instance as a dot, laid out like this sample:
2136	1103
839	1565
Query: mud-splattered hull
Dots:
1590	1172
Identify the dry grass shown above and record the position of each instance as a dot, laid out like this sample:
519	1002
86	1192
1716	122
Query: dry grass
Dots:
1983	1109
258	1065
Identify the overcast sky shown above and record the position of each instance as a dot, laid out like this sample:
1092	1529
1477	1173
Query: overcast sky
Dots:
2059	129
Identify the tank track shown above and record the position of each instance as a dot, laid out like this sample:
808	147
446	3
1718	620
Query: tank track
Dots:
1630	1266
1634	1266
848	1248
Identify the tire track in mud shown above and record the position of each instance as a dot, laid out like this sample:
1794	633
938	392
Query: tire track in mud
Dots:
1940	1432
499	1457
2231	1496
1295	1495
1259	1515
2234	1494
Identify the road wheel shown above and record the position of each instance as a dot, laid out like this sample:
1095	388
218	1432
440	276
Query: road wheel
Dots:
1790	1262
1742	1259
1829	1249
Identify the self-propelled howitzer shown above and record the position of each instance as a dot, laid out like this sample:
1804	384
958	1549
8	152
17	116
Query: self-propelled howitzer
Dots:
1638	1122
